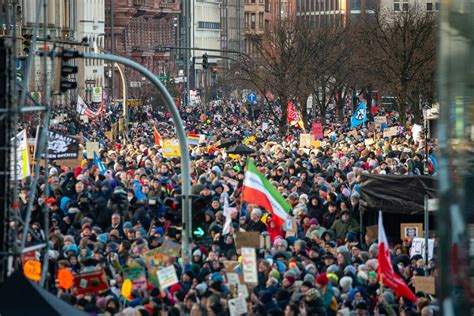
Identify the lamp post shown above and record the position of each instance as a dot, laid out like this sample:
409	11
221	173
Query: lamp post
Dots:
426	173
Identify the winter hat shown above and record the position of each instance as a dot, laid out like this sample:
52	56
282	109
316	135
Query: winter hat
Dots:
275	274
350	270
313	221
346	283
322	279
362	276
290	279
372	274
312	295
197	253
333	268
309	278
373	264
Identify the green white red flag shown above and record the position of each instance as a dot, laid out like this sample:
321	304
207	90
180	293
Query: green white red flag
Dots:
259	191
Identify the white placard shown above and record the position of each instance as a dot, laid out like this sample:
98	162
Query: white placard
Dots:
85	118
233	278
92	147
418	247
416	131
167	277
264	126
249	265
237	306
243	290
379	120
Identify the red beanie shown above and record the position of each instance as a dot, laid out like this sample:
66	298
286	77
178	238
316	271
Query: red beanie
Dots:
290	279
322	279
77	171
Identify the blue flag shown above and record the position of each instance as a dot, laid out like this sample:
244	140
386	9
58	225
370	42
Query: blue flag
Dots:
360	115
99	163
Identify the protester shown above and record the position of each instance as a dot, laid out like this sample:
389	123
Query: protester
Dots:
112	221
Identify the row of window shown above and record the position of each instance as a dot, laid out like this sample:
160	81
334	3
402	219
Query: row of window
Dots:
251	20
209	25
402	5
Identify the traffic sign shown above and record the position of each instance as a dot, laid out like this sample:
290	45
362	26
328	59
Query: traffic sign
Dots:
252	97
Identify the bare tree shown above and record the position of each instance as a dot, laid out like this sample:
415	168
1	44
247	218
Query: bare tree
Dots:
397	52
279	62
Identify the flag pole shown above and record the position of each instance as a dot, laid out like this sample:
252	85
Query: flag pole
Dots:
381	284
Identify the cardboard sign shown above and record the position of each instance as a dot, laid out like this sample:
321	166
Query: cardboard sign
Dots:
390	131
233	278
380	120
92	147
425	284
32	270
170	248
171	148
237	306
65	279
90	282
247	239
418	247
167	277
317	129
353	133
137	275
154	259
411	230
249	265
305	140
372	233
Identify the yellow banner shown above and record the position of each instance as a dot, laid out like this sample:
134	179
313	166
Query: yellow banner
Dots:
171	148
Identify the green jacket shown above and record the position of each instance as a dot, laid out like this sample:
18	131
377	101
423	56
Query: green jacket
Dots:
342	228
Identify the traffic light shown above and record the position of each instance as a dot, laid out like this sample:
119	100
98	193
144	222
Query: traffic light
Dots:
198	219
205	61
67	69
214	72
26	41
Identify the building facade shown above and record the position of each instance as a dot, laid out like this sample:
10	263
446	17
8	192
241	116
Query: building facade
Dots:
90	24
137	29
257	22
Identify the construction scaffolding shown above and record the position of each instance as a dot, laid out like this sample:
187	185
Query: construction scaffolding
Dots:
16	101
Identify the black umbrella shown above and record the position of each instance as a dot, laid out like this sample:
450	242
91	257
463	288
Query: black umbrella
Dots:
240	150
226	142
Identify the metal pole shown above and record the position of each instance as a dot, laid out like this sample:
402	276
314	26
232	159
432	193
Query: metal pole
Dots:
124	94
112	47
427	223
183	144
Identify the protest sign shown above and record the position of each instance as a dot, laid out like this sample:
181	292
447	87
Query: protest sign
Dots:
305	140
249	265
411	230
368	141
372	233
316	143
22	156
390	131
418	247
90	282
91	148
317	129
171	148
237	306
137	275
264	126
232	278
380	120
32	270
247	239
425	284
127	288
170	248
84	118
243	290
353	133
65	279
60	146
154	259
416	131
167	277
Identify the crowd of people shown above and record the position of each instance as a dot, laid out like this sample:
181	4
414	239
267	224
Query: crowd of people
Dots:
110	220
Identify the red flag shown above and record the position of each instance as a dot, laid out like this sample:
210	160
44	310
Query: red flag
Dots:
292	115
158	140
385	268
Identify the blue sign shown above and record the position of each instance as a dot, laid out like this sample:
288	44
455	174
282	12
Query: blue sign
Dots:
252	97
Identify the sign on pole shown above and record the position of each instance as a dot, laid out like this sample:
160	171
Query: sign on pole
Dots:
252	97
97	94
